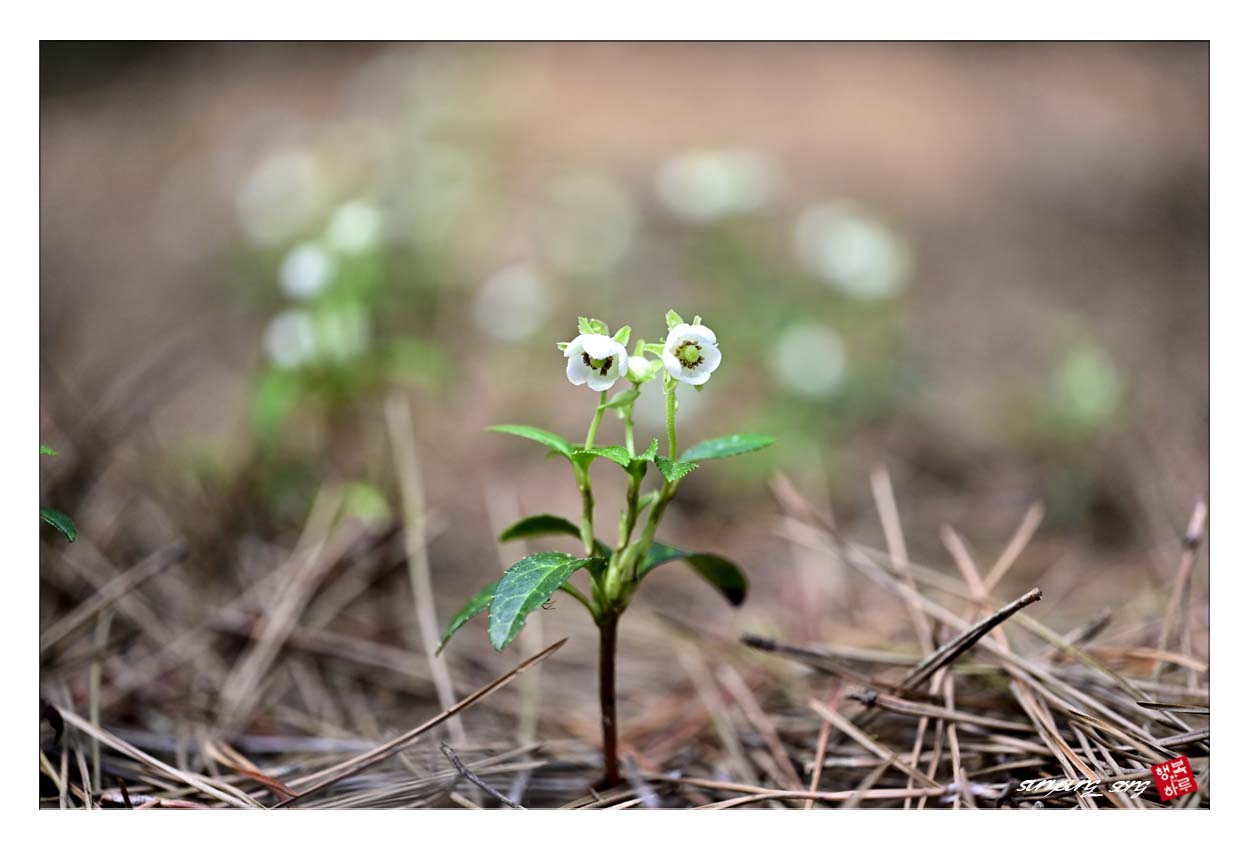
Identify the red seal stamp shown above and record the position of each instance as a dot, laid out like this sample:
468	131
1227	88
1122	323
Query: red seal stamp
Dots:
1174	778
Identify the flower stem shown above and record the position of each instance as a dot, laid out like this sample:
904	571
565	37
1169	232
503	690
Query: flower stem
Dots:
580	597
629	429
594	422
670	416
607	698
583	481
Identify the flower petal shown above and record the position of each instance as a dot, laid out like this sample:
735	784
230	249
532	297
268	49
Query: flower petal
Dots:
577	370
694	379
620	360
711	358
601	382
576	347
675	336
701	334
599	346
671	363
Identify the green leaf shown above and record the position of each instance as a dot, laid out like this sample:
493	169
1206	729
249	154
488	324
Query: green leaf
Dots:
673	319
60	522
538	435
274	400
651	452
538	525
624	398
617	454
721	573
734	444
477	603
674	470
526	585
591	326
541	525
622	335
44	450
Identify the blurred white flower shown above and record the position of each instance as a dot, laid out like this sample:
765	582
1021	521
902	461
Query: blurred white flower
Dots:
356	227
596	360
343	331
705	185
280	196
1086	388
809	359
305	271
690	353
291	339
512	304
588	226
852	251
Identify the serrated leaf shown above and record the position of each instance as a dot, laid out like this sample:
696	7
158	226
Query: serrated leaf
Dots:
622	335
623	398
726	576
45	450
617	454
673	319
674	470
525	586
652	451
477	603
734	444
538	435
60	522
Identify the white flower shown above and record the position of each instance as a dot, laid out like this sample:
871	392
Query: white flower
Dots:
305	271
291	339
809	359
355	228
707	185
596	360
852	251
512	304
690	353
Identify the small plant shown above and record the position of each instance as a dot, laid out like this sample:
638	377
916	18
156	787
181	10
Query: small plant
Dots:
58	520
594	359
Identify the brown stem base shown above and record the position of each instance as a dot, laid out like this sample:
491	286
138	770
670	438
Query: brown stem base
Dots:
607	701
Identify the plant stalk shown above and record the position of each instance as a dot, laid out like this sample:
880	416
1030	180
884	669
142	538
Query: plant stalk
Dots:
607	698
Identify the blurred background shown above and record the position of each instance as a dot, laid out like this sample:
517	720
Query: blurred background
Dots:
982	267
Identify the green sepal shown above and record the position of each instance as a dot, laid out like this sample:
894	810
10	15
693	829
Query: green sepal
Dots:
591	326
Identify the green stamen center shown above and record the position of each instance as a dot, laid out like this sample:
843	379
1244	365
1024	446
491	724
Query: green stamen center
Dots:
690	354
600	366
